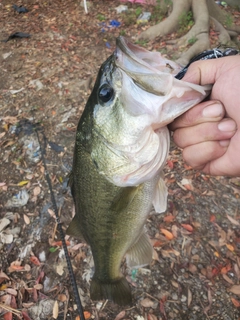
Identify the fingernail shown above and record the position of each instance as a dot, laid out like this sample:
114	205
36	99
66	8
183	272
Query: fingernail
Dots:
213	111
227	125
224	143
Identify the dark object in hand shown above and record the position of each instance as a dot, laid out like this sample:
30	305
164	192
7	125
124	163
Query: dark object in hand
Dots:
20	9
17	35
205	55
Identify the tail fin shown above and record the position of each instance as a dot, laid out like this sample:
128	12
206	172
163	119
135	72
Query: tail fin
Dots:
117	291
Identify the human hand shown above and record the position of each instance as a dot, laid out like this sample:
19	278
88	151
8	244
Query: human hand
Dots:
209	133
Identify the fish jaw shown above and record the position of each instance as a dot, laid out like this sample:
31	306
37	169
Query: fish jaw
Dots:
130	133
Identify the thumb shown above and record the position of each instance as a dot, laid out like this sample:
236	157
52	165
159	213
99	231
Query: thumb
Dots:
207	111
204	71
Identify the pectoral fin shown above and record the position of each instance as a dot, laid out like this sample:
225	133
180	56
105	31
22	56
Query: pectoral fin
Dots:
160	196
73	229
140	253
124	198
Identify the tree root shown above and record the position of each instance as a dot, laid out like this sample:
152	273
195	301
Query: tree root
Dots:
204	12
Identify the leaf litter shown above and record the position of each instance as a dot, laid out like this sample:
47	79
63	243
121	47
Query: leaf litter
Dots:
195	271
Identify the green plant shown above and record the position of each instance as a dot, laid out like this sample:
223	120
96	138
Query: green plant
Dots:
185	21
122	32
192	40
129	18
141	42
229	20
138	11
101	17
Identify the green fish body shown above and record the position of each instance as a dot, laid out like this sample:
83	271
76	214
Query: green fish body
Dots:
122	143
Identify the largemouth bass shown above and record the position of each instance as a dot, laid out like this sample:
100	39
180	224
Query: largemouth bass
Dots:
122	143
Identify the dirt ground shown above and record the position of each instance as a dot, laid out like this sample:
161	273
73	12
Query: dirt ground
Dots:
46	79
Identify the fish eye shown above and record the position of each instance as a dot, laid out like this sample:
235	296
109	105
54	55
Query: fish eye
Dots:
105	93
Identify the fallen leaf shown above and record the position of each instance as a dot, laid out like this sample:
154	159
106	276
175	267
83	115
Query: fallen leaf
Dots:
226	278
187	227
147	303
62	297
235	302
169	218
26	219
187	183
230	247
38	286
225	269
22	183
4	222
189	297
2	134
36	191
87	315
233	221
212	218
8	316
35	260
55	310
120	315
11	291
59	243
235	289
25	315
151	317
167	234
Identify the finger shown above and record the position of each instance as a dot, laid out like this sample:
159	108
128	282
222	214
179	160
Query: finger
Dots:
204	71
200	155
207	111
207	131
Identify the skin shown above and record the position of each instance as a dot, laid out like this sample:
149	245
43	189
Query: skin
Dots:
209	133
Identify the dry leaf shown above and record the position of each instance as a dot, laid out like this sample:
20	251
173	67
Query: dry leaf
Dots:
52	213
167	234
87	315
235	267
8	316
2	134
225	269
3	223
11	291
36	191
233	221
235	289
187	183
226	278
175	231
192	268
35	260
155	255
147	303
62	297
235	302
120	315
189	297
38	286
188	227
55	310
151	317
230	247
169	218
22	183
26	219
3	276
60	269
